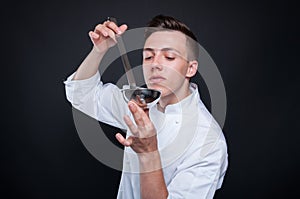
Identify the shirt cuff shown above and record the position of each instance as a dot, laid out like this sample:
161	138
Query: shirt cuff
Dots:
77	91
84	82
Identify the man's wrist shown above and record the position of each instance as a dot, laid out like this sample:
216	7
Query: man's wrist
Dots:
149	161
99	52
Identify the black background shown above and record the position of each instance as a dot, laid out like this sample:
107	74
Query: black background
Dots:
254	45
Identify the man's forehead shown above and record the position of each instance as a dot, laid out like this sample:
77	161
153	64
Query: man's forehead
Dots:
166	40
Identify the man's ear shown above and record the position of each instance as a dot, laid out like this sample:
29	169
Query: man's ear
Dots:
192	70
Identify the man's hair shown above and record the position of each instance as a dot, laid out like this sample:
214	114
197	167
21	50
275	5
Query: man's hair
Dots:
165	23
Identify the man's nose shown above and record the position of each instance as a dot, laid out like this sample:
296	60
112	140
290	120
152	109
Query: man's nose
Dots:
156	64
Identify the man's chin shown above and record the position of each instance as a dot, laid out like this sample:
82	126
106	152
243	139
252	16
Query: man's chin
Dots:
156	87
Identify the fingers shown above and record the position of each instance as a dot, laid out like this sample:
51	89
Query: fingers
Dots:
110	28
123	28
103	30
133	129
111	25
93	35
107	29
123	141
139	114
144	126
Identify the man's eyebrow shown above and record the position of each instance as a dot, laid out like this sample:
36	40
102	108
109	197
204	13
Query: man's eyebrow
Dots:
163	49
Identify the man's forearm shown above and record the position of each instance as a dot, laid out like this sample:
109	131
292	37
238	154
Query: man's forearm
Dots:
89	66
152	181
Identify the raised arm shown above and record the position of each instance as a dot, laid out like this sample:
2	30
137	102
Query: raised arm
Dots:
84	89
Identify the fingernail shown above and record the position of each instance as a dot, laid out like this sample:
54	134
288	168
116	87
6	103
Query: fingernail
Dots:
130	104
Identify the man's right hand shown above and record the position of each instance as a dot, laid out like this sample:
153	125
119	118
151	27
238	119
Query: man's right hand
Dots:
104	35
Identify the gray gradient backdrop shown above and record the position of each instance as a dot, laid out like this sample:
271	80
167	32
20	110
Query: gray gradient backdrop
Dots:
253	43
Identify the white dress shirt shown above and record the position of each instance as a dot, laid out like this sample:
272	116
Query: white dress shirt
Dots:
192	146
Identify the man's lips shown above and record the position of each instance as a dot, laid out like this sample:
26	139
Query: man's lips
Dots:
156	79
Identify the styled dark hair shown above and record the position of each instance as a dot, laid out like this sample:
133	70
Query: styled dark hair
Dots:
165	23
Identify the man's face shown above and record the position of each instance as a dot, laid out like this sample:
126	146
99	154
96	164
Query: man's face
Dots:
165	62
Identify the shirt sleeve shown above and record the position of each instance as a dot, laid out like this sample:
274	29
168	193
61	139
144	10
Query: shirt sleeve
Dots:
199	177
103	102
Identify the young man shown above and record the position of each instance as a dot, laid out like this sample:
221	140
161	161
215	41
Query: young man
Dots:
176	150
